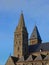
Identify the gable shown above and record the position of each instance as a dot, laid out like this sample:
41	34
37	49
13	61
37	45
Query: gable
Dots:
38	57
9	62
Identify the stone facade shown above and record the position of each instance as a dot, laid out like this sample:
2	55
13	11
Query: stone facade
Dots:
36	53
21	39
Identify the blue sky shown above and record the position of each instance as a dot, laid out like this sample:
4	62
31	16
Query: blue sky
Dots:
35	12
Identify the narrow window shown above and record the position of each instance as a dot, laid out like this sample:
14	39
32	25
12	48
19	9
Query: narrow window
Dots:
19	42
18	48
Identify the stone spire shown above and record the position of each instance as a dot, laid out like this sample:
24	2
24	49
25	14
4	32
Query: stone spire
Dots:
21	21
35	36
21	39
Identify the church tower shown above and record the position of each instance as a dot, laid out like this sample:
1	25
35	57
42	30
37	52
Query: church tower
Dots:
21	39
35	37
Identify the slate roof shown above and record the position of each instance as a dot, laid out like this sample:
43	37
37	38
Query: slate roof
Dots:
35	34
38	47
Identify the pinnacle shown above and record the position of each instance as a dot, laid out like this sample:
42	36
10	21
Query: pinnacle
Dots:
21	21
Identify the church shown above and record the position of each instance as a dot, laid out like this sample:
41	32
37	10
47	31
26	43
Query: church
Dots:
37	53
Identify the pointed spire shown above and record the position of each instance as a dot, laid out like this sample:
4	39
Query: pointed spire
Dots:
21	21
35	34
